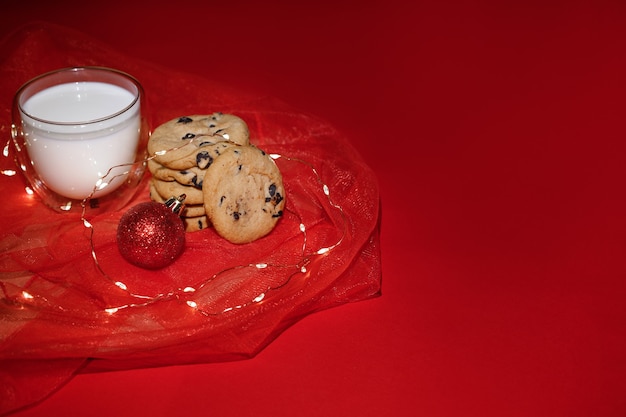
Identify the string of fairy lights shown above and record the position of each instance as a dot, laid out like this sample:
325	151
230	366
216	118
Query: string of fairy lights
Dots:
186	294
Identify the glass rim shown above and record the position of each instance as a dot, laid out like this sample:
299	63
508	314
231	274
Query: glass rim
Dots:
78	69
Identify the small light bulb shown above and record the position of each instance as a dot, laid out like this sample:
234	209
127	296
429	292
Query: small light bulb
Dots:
121	285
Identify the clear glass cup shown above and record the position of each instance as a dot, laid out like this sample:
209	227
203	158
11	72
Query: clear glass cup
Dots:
80	136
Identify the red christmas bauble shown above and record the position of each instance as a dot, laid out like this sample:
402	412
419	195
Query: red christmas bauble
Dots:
151	235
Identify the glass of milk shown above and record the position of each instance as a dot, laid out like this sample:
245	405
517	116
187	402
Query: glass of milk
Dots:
80	137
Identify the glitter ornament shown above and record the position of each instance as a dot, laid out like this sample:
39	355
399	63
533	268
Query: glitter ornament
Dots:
151	235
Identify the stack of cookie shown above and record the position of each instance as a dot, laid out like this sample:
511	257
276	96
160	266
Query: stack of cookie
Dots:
229	183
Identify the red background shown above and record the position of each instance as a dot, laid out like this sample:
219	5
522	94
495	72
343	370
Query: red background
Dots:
497	132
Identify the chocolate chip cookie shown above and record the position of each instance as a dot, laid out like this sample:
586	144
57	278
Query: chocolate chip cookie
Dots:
180	137
244	196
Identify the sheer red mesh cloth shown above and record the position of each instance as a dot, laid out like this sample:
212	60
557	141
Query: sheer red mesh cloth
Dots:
70	303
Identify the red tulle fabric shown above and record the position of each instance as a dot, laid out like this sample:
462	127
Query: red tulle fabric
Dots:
61	311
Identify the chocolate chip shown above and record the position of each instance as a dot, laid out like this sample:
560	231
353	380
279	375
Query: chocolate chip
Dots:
196	183
272	190
184	120
205	143
189	136
236	215
200	225
222	198
203	159
279	214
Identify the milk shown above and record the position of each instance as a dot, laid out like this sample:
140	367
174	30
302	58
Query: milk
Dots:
76	132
